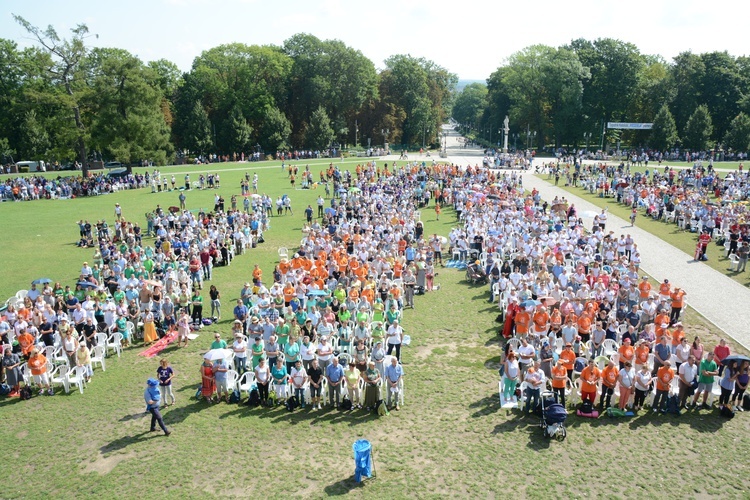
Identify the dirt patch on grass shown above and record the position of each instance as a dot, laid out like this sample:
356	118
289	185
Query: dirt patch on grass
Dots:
22	434
104	465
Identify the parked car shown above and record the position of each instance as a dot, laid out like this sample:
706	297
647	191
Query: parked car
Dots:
113	164
117	173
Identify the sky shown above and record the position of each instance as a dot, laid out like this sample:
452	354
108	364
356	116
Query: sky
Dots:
470	38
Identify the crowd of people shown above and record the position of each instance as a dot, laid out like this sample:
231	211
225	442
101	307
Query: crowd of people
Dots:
578	316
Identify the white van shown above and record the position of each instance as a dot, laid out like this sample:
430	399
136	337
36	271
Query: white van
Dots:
34	166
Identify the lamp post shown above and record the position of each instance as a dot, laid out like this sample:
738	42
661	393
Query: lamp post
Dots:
356	133
385	132
445	142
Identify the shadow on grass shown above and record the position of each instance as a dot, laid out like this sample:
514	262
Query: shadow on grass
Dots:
488	405
125	441
342	487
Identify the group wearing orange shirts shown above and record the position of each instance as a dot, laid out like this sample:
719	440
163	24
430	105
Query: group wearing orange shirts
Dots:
590	376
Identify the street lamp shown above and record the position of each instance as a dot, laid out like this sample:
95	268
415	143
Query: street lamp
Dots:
385	132
515	141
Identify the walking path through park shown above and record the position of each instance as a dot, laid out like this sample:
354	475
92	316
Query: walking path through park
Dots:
718	298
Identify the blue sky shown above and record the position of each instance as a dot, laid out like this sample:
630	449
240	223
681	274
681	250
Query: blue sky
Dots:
470	38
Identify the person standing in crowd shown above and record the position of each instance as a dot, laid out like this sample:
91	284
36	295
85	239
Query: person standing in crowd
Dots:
165	374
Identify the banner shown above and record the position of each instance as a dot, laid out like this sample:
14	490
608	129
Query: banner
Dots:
631	126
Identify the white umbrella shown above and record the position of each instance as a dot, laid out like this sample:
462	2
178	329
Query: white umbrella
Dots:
215	354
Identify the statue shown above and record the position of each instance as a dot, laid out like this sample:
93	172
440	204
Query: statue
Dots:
506	129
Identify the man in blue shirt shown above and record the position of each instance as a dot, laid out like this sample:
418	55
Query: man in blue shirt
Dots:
393	374
240	314
220	376
152	396
334	375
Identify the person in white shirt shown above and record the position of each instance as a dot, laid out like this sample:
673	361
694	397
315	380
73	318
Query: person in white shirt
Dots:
526	353
298	377
395	336
535	380
325	352
626	379
239	346
687	375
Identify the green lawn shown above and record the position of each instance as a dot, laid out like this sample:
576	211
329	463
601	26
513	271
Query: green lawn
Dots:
684	240
450	438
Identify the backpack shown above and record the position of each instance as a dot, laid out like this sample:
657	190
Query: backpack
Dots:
4	389
726	412
746	402
207	321
25	392
345	405
254	399
235	396
292	403
579	366
615	412
673	405
586	406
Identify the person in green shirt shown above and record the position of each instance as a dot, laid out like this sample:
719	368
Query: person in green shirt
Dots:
344	314
340	293
282	333
218	342
291	353
257	350
707	370
122	327
301	316
119	296
197	305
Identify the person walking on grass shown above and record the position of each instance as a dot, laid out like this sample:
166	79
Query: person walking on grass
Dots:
152	397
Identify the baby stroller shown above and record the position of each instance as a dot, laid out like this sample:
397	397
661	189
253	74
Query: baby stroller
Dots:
553	419
476	274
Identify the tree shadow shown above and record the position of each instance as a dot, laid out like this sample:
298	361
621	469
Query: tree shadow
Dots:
486	406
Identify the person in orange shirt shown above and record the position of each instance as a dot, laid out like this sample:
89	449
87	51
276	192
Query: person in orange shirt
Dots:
664	376
38	365
559	376
26	342
590	376
568	358
584	326
677	335
284	267
641	354
662	319
678	298
610	375
626	351
522	320
644	288
289	293
368	294
541	321
257	275
665	290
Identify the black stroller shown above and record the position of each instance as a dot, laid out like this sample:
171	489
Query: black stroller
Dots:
475	274
553	419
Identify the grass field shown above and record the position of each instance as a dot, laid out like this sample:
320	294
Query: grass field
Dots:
684	240
450	438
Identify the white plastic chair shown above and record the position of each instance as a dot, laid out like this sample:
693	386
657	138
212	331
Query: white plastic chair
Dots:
283	252
77	376
97	356
246	382
57	376
232	378
514	343
114	342
101	338
609	347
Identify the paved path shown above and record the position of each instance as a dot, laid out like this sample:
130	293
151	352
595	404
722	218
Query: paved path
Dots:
718	298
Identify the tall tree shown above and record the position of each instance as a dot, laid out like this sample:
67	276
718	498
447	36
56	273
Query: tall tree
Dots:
687	73
470	103
275	131
63	67
614	66
235	133
721	89
738	136
319	133
664	131
698	129
34	137
125	104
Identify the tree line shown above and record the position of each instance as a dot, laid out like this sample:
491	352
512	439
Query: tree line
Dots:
62	100
564	96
